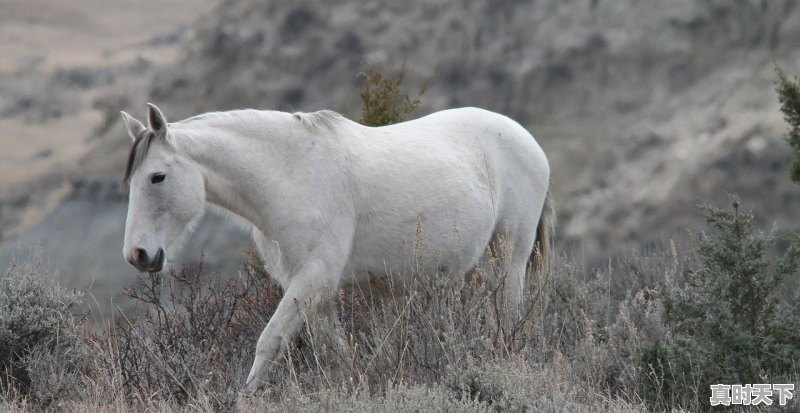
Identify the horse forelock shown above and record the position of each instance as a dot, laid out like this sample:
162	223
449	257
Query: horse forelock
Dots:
139	149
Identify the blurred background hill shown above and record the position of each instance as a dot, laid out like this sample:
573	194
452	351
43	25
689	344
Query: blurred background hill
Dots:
644	109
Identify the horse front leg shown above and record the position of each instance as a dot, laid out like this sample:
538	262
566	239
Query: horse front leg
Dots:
312	288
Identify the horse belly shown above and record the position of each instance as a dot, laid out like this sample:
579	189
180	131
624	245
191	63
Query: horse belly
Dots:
445	230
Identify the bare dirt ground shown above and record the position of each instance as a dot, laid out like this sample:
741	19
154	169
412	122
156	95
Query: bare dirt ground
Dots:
62	62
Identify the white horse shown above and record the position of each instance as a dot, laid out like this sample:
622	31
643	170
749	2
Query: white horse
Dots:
333	204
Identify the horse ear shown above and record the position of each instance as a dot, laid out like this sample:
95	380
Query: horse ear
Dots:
135	128
156	120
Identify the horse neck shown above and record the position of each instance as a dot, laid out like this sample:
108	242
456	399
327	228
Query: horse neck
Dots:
236	166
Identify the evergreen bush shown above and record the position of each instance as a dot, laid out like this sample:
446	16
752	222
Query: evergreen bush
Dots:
732	322
789	97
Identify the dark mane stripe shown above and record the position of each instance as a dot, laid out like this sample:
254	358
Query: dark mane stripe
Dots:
139	149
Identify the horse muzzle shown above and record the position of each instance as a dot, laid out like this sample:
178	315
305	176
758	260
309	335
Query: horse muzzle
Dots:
144	263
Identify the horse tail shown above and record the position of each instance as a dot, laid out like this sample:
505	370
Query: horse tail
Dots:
544	232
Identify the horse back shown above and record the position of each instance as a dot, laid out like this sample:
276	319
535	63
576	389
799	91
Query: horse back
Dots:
449	180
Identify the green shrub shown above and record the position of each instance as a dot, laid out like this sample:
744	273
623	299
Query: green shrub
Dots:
39	328
383	103
732	322
789	97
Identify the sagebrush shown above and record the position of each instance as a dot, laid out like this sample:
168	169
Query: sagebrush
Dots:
40	324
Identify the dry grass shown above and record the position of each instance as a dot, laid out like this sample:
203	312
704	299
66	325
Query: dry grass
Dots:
439	347
588	341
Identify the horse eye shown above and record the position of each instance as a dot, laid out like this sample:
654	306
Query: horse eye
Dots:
158	177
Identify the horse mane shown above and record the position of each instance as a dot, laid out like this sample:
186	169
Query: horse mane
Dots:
322	119
203	117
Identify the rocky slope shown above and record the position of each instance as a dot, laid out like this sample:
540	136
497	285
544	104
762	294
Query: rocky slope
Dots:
644	109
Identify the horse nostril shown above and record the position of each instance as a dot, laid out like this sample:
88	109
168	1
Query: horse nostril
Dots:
140	257
159	259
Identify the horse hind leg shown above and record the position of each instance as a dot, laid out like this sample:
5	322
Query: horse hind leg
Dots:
513	292
507	264
498	280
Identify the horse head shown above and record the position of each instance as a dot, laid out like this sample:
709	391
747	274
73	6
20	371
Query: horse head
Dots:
165	190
